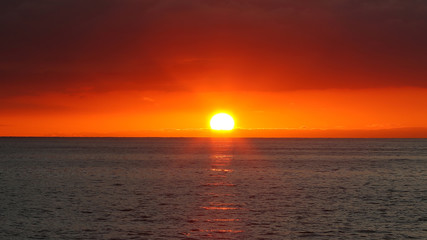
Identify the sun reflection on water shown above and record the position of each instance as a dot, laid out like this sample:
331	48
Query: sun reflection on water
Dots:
221	209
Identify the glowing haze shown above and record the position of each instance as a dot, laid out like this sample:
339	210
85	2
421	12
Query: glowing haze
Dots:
163	68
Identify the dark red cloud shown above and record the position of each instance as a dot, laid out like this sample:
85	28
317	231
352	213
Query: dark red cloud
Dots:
102	45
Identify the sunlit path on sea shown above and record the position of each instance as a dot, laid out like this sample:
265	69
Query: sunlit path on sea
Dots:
220	213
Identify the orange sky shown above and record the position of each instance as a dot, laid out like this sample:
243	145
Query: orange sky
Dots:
294	113
163	68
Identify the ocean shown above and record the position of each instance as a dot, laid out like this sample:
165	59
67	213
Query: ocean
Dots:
212	188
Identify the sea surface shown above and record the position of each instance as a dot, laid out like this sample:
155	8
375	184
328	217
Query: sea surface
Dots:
203	188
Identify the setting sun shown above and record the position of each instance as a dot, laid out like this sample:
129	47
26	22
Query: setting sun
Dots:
222	121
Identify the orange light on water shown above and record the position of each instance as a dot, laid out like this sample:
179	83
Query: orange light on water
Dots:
224	220
220	208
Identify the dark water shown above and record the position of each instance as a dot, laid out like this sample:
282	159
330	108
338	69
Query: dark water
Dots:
121	188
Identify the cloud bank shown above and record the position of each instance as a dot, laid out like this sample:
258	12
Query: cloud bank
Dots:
188	45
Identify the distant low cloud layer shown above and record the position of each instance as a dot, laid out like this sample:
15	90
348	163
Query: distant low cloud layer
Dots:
265	45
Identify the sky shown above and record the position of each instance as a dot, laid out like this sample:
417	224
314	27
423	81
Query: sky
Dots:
162	68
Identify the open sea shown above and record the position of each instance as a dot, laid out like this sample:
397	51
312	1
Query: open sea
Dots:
203	188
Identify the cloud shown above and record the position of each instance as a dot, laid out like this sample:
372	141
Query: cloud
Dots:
268	45
267	133
14	107
148	99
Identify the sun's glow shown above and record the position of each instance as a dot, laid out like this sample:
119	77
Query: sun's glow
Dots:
222	121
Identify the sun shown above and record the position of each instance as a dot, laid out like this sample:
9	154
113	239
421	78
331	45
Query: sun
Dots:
222	121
